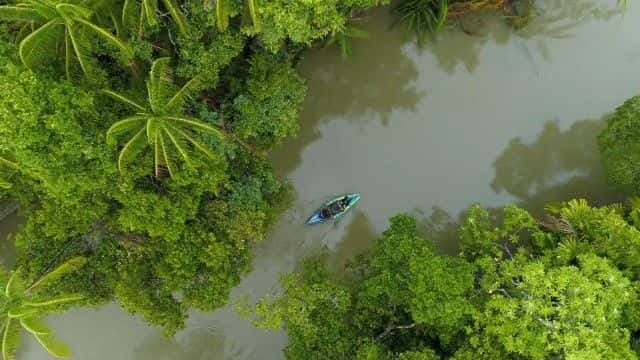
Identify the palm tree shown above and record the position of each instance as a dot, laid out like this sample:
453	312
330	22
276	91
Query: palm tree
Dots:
23	306
58	27
222	14
135	14
161	121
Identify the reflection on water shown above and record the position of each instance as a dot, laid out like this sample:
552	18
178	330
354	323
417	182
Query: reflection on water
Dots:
375	80
205	343
408	130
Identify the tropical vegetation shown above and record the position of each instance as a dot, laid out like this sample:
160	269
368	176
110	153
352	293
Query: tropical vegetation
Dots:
563	286
136	137
23	303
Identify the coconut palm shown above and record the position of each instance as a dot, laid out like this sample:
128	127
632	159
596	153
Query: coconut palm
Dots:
23	306
160	123
222	14
52	26
136	13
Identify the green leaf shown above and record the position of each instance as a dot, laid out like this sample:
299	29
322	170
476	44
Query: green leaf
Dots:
121	45
222	15
10	338
15	285
57	301
53	346
131	149
160	83
197	125
126	125
32	48
35	325
17	13
253	12
150	10
192	86
177	16
67	267
124	99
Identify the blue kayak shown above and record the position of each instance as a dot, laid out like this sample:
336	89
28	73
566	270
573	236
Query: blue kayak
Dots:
333	209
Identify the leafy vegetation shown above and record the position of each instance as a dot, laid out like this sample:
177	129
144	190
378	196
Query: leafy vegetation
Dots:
160	181
23	304
565	286
620	148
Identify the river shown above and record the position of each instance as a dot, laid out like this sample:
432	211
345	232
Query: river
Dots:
482	115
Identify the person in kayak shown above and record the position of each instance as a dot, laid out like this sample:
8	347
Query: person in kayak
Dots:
325	213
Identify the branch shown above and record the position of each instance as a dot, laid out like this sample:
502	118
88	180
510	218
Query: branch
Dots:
392	328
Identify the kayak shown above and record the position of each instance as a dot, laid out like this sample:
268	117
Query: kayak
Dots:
331	210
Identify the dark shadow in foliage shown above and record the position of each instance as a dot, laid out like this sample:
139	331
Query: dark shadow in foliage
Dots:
201	343
375	81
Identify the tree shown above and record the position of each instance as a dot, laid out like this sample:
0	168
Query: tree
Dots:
24	304
135	14
223	12
519	289
160	122
59	27
620	148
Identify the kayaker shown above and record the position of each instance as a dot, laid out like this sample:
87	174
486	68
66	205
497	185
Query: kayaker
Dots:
325	213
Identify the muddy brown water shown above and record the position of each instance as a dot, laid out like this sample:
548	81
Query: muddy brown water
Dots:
482	115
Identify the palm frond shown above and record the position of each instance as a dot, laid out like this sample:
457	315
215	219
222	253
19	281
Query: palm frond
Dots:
131	149
8	163
130	14
191	87
198	145
22	311
160	83
5	185
18	13
10	338
253	12
197	125
181	150
34	325
33	48
80	47
222	15
165	155
106	35
177	16
73	12
15	286
67	267
124	99
53	346
150	8
57	301
126	125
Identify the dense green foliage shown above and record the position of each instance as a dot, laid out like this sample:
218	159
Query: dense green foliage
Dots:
620	147
23	304
562	287
139	140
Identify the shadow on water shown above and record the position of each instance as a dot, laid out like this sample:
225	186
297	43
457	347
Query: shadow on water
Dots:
359	236
371	84
557	166
207	343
